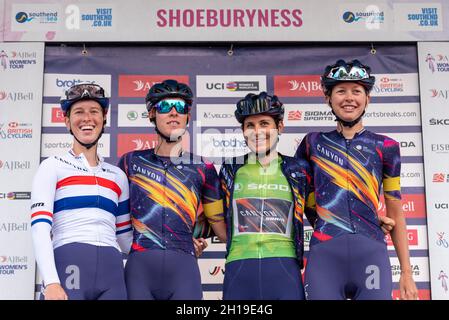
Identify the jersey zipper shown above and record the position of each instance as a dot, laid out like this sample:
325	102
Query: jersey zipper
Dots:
348	146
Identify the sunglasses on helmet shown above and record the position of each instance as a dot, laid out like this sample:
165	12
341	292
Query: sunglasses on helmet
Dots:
340	73
85	90
165	106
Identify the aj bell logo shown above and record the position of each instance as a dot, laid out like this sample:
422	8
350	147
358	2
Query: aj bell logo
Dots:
142	145
142	86
16	96
441	94
216	270
306	86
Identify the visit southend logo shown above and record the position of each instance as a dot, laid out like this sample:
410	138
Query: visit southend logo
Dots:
426	17
98	18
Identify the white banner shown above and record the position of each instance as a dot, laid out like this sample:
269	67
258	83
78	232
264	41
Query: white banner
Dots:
21	82
220	20
434	84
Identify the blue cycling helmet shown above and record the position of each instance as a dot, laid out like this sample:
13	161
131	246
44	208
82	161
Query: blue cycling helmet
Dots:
84	91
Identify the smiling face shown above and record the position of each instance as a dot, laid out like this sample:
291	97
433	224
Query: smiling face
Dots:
261	133
171	123
86	120
348	100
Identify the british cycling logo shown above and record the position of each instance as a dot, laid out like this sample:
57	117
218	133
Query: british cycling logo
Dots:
16	130
442	276
438	62
40	17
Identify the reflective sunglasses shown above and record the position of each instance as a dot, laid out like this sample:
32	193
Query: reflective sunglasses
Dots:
165	106
340	73
85	90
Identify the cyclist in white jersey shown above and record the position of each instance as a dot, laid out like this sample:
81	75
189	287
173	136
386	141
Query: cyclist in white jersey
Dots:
80	209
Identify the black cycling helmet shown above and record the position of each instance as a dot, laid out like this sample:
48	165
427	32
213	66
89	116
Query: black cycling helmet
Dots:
261	103
168	89
351	71
84	91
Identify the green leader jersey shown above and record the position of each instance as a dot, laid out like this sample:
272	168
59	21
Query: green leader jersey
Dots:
262	210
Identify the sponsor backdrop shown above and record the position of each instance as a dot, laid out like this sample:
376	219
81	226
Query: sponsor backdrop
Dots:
203	20
219	80
21	69
434	84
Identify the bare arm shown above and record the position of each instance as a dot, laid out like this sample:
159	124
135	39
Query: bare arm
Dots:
399	236
220	230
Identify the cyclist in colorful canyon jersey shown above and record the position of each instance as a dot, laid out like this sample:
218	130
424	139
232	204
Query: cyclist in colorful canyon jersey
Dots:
348	256
168	187
265	198
80	211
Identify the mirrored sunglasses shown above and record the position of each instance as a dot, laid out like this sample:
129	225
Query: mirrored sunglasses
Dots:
165	106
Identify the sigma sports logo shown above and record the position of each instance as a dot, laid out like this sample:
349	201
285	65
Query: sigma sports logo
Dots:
440	178
16	96
440	148
437	63
234	86
298	86
439	122
213	271
138	85
294	115
439	94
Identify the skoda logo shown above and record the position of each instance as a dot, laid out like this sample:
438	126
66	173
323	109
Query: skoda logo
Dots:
132	115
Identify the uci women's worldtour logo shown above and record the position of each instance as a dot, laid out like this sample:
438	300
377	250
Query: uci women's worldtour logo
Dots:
17	60
437	62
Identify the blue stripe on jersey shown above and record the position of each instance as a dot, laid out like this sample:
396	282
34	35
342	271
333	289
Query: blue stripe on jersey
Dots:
41	220
123	207
85	202
123	231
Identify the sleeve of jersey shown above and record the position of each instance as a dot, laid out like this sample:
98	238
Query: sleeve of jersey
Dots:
123	220
310	210
302	151
42	199
211	195
391	158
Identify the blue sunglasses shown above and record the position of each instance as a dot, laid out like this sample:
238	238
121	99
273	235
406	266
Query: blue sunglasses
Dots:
165	106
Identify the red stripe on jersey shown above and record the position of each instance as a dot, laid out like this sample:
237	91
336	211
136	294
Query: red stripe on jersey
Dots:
89	180
122	224
42	213
321	236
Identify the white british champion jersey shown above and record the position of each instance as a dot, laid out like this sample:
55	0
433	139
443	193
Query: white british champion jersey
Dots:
78	203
